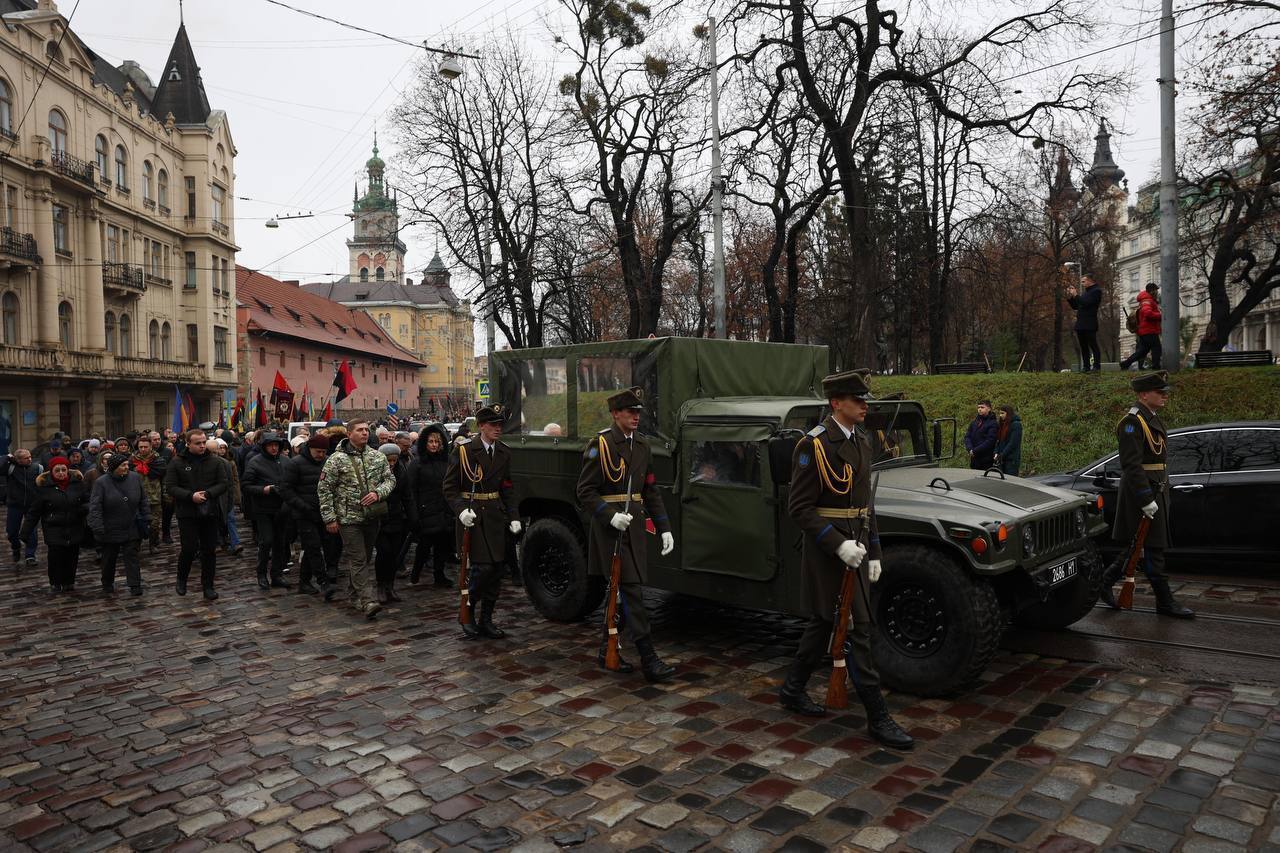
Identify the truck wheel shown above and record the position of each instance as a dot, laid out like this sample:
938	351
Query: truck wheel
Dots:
1070	602
553	563
937	627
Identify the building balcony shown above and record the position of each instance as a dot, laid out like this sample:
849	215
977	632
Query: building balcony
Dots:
34	360
123	278
154	370
221	228
16	249
71	167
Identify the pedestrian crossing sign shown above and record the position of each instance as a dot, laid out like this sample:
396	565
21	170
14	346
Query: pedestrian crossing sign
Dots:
482	390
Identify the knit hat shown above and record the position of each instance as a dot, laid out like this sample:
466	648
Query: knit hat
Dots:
94	443
58	460
116	461
318	440
389	449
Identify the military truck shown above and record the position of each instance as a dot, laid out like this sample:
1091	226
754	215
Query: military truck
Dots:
965	552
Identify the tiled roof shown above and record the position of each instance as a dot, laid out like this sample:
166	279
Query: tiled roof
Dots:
283	308
350	292
180	90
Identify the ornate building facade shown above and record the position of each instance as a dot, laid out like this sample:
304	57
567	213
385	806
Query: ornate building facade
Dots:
117	249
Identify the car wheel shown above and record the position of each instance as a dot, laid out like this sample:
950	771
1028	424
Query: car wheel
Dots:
937	628
553	565
1070	602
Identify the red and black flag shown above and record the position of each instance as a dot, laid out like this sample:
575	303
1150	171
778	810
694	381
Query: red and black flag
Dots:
344	382
237	415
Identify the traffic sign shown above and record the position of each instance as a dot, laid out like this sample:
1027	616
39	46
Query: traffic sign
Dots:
392	408
482	390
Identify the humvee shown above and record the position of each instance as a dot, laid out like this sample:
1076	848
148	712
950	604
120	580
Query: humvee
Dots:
965	552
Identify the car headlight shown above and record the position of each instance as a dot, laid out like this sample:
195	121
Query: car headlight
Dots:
1028	540
1080	528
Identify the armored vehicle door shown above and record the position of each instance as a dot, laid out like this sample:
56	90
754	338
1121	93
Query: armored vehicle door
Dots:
726	497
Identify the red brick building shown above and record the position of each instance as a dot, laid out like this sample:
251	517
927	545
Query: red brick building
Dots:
281	327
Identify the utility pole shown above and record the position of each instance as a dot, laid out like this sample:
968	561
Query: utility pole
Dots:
717	189
1170	300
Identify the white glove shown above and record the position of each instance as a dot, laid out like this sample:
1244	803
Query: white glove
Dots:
514	527
668	544
467	517
1150	509
873	570
621	520
851	553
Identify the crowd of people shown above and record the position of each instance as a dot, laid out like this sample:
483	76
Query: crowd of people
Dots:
354	494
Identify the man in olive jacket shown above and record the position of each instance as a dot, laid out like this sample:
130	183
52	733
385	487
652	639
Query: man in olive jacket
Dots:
353	489
195	479
619	456
831	502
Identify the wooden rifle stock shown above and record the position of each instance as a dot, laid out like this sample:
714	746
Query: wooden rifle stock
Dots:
1131	564
612	656
838	684
464	586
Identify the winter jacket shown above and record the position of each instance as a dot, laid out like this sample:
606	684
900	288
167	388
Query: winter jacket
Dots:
151	470
426	478
231	498
61	512
20	481
261	471
349	475
1009	449
402	509
980	439
298	487
188	474
1149	316
1086	305
118	508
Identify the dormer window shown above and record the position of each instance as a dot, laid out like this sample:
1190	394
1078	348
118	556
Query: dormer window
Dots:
174	76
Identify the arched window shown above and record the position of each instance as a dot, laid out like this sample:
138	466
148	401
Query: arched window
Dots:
148	181
109	321
122	167
162	183
153	340
64	324
100	155
57	132
364	273
166	338
126	336
9	308
6	108
381	274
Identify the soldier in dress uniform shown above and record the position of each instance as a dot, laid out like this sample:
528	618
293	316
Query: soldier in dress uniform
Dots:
619	456
478	487
1144	490
831	503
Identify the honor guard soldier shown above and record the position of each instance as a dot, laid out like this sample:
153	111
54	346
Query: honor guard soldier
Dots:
478	488
831	503
1144	490
619	456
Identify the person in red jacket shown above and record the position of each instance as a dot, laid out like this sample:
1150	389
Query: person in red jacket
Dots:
1148	331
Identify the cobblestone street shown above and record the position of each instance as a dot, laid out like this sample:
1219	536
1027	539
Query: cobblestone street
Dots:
275	721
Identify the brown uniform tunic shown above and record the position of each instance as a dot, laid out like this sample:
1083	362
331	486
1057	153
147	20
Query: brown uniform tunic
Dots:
1144	478
493	504
601	496
828	518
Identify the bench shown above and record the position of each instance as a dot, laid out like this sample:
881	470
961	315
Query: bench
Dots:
1243	358
961	367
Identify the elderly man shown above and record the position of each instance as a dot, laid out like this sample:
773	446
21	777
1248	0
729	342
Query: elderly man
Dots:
20	474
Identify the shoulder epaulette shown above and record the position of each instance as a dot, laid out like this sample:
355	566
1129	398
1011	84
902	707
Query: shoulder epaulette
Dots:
817	431
1134	410
603	431
461	441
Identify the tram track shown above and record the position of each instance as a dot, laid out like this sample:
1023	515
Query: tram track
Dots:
1201	616
1173	644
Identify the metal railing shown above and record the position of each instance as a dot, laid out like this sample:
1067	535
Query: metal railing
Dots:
125	276
72	167
17	245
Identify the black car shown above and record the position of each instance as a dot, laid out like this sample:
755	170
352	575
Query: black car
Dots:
1224	482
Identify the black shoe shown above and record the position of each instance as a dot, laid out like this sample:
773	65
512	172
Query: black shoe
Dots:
415	574
391	593
442	582
471	629
181	586
263	583
31	561
793	694
371	610
280	583
55	587
880	725
487	628
166	540
330	590
135	590
236	551
108	588
210	594
624	666
654	668
1166	604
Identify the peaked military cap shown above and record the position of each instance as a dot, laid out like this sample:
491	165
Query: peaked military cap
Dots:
850	383
632	398
1158	381
494	414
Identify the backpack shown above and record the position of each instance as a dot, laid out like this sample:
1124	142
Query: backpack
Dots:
1131	322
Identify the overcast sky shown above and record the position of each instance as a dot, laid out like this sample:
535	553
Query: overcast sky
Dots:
303	97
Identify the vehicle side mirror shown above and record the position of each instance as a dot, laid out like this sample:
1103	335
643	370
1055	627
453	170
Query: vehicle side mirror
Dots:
937	439
781	448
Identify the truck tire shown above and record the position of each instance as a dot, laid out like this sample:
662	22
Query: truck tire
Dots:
553	564
937	628
1071	602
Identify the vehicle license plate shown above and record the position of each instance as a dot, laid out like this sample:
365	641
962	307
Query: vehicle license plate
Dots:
1062	572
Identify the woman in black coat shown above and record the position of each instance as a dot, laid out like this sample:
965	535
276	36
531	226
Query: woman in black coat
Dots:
118	513
401	519
61	505
435	521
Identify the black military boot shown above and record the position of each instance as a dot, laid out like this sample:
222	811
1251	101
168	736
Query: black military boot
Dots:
794	697
1111	576
1166	604
263	583
391	591
879	724
623	665
487	628
471	630
653	667
441	580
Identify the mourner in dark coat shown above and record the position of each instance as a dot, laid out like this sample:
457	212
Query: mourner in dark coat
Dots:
119	515
262	477
397	525
1144	490
320	548
435	521
832	504
60	507
196	480
479	491
20	473
618	490
1086	304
